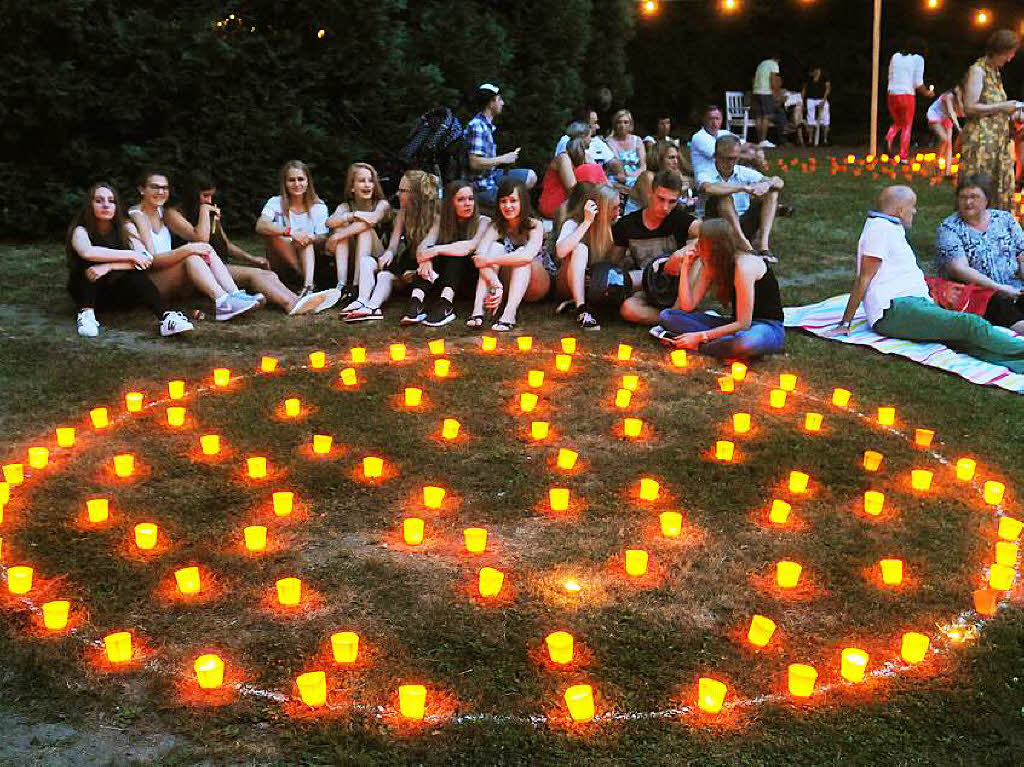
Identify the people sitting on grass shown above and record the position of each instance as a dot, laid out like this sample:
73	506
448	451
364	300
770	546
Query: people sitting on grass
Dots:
895	294
511	258
742	196
355	241
419	204
629	150
979	245
444	254
652	238
564	172
179	272
485	164
293	225
702	145
668	157
662	134
997	308
196	218
738	278
108	266
584	239
943	115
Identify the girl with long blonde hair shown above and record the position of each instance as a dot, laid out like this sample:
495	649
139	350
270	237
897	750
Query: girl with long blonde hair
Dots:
584	239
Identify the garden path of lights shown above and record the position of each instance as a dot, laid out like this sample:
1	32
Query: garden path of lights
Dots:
212	678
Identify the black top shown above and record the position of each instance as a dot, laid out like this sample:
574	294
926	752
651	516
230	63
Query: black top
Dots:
644	245
816	88
767	298
77	264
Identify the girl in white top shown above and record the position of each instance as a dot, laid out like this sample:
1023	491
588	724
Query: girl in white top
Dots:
194	265
355	221
943	116
293	224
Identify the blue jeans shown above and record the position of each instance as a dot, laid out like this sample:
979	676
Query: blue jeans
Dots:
490	195
762	337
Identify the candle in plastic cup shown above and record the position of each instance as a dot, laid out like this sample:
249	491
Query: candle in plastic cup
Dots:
779	512
413	396
373	467
801	679
636	562
913	647
442	368
317	360
283	502
579	699
852	664
787	382
345	646
761	630
1009	528
436	346
255	537
630	382
738	371
176	389
986	602
787	574
624	353
348	377
649	489
433	496
289	591
450	429
124	464
412	701
490	581
892	571
221	376
397	352
133	401
923	437
118	647
146	535
558	497
741	423
812	422
527	402
97	510
322	444
5	493
357	354
65	436
55	614
535	378
563	362
965	468
539	430
188	580
671	523
568	345
840	397
19	579
312	688
488	343
257	465
268	364
921	479
210	444
525	343
99	418
476	539
993	492
412	531
872	460
632	427
38	457
710	695
560	647
209	670
292	407
175	416
623	398
1000	577
874	502
886	416
798	482
777	398
678	358
726	384
1006	553
724	450
567	458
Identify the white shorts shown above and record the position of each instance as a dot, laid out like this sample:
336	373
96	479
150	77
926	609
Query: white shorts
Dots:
818	112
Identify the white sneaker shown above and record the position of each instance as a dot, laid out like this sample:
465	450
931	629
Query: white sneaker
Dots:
315	302
231	305
174	323
766	144
88	327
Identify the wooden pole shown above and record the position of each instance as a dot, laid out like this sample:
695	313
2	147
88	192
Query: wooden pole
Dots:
876	45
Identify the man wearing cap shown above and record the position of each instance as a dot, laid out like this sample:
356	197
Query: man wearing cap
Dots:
484	160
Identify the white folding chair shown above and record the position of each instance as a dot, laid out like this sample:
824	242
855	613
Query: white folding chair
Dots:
737	112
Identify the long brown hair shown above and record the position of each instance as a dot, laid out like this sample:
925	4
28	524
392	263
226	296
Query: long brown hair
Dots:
309	199
599	237
86	218
453	228
506	187
423	204
350	180
723	245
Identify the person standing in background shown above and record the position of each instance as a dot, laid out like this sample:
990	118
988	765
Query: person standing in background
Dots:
906	79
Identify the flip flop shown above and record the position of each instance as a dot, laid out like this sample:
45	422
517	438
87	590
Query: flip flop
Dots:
476	321
503	327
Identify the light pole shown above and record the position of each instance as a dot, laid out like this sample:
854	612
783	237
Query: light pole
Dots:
876	52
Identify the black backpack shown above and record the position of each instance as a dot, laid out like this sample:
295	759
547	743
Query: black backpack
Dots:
436	144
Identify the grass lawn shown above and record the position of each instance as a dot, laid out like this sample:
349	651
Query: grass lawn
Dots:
642	642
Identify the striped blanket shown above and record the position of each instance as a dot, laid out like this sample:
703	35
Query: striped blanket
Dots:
819	317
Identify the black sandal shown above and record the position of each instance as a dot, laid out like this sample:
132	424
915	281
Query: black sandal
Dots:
503	327
476	321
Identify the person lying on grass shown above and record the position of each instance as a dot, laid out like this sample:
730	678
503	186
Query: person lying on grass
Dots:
895	294
718	262
108	266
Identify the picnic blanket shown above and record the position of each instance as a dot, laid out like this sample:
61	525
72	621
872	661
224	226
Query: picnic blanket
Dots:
819	317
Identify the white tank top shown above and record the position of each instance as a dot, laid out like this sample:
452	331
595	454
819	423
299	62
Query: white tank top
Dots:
161	239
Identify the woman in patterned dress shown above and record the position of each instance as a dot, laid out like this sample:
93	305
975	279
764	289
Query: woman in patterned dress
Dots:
985	142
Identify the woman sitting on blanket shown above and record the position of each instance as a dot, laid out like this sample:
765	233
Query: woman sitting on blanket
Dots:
895	295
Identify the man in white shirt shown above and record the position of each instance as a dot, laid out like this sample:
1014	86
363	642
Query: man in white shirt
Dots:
767	82
702	145
744	197
906	78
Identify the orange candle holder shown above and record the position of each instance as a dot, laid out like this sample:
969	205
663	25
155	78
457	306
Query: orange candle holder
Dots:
636	562
312	688
450	429
650	489
289	591
348	377
671	523
872	460
524	343
118	647
560	647
209	444
965	469
921	479
133	401
761	631
283	502
798	482
97	510
99	418
19	579
923	437
913	647
874	502
442	368
678	358
841	397
322	444
558	498
579	699
175	416
397	352
710	695
255	537
357	355
886	416
787	574
317	360
433	496
221	377
563	362
567	458
568	345
146	535
812	422
436	347
490	581
373	467
632	427
413	396
892	571
1000	577
256	466
623	398
741	423
175	390
209	669
65	436
539	430
188	580
777	398
293	407
852	664
724	450
738	371
412	531
624	353
801	679
779	512
726	384
475	539
55	614
124	464
268	364
787	382
993	492
488	343
412	701
345	646
986	602
535	378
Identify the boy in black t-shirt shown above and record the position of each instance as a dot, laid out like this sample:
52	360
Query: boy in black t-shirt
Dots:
656	234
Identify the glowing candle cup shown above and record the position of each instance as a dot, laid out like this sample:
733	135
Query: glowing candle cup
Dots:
19	580
777	398
787	574
710	695
188	580
412	701
373	467
490	581
317	360
726	384
525	343
357	355
852	664
488	343
649	489
289	591
724	450
221	377
623	397
892	571
413	396
779	512
579	699
175	416
761	630
798	482
636	562
563	362
397	352
283	502
176	389
841	397
312	688
567	459
1000	577
268	364
921	479
1006	553
133	401
322	444
560	647
539	430
55	614
255	538
442	368
872	460
965	468
257	466
671	523
535	378
146	534
1009	528
292	407
801	679
99	418
209	444
993	492
913	647
412	531
436	347
345	646
475	539
741	423
632	427
97	510
787	382
118	647
568	345
348	377
986	602
433	496
812	422
624	353
886	416
678	358
923	437
209	670
527	402
874	502
558	497
738	371
38	457
450	429
124	464
65	436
